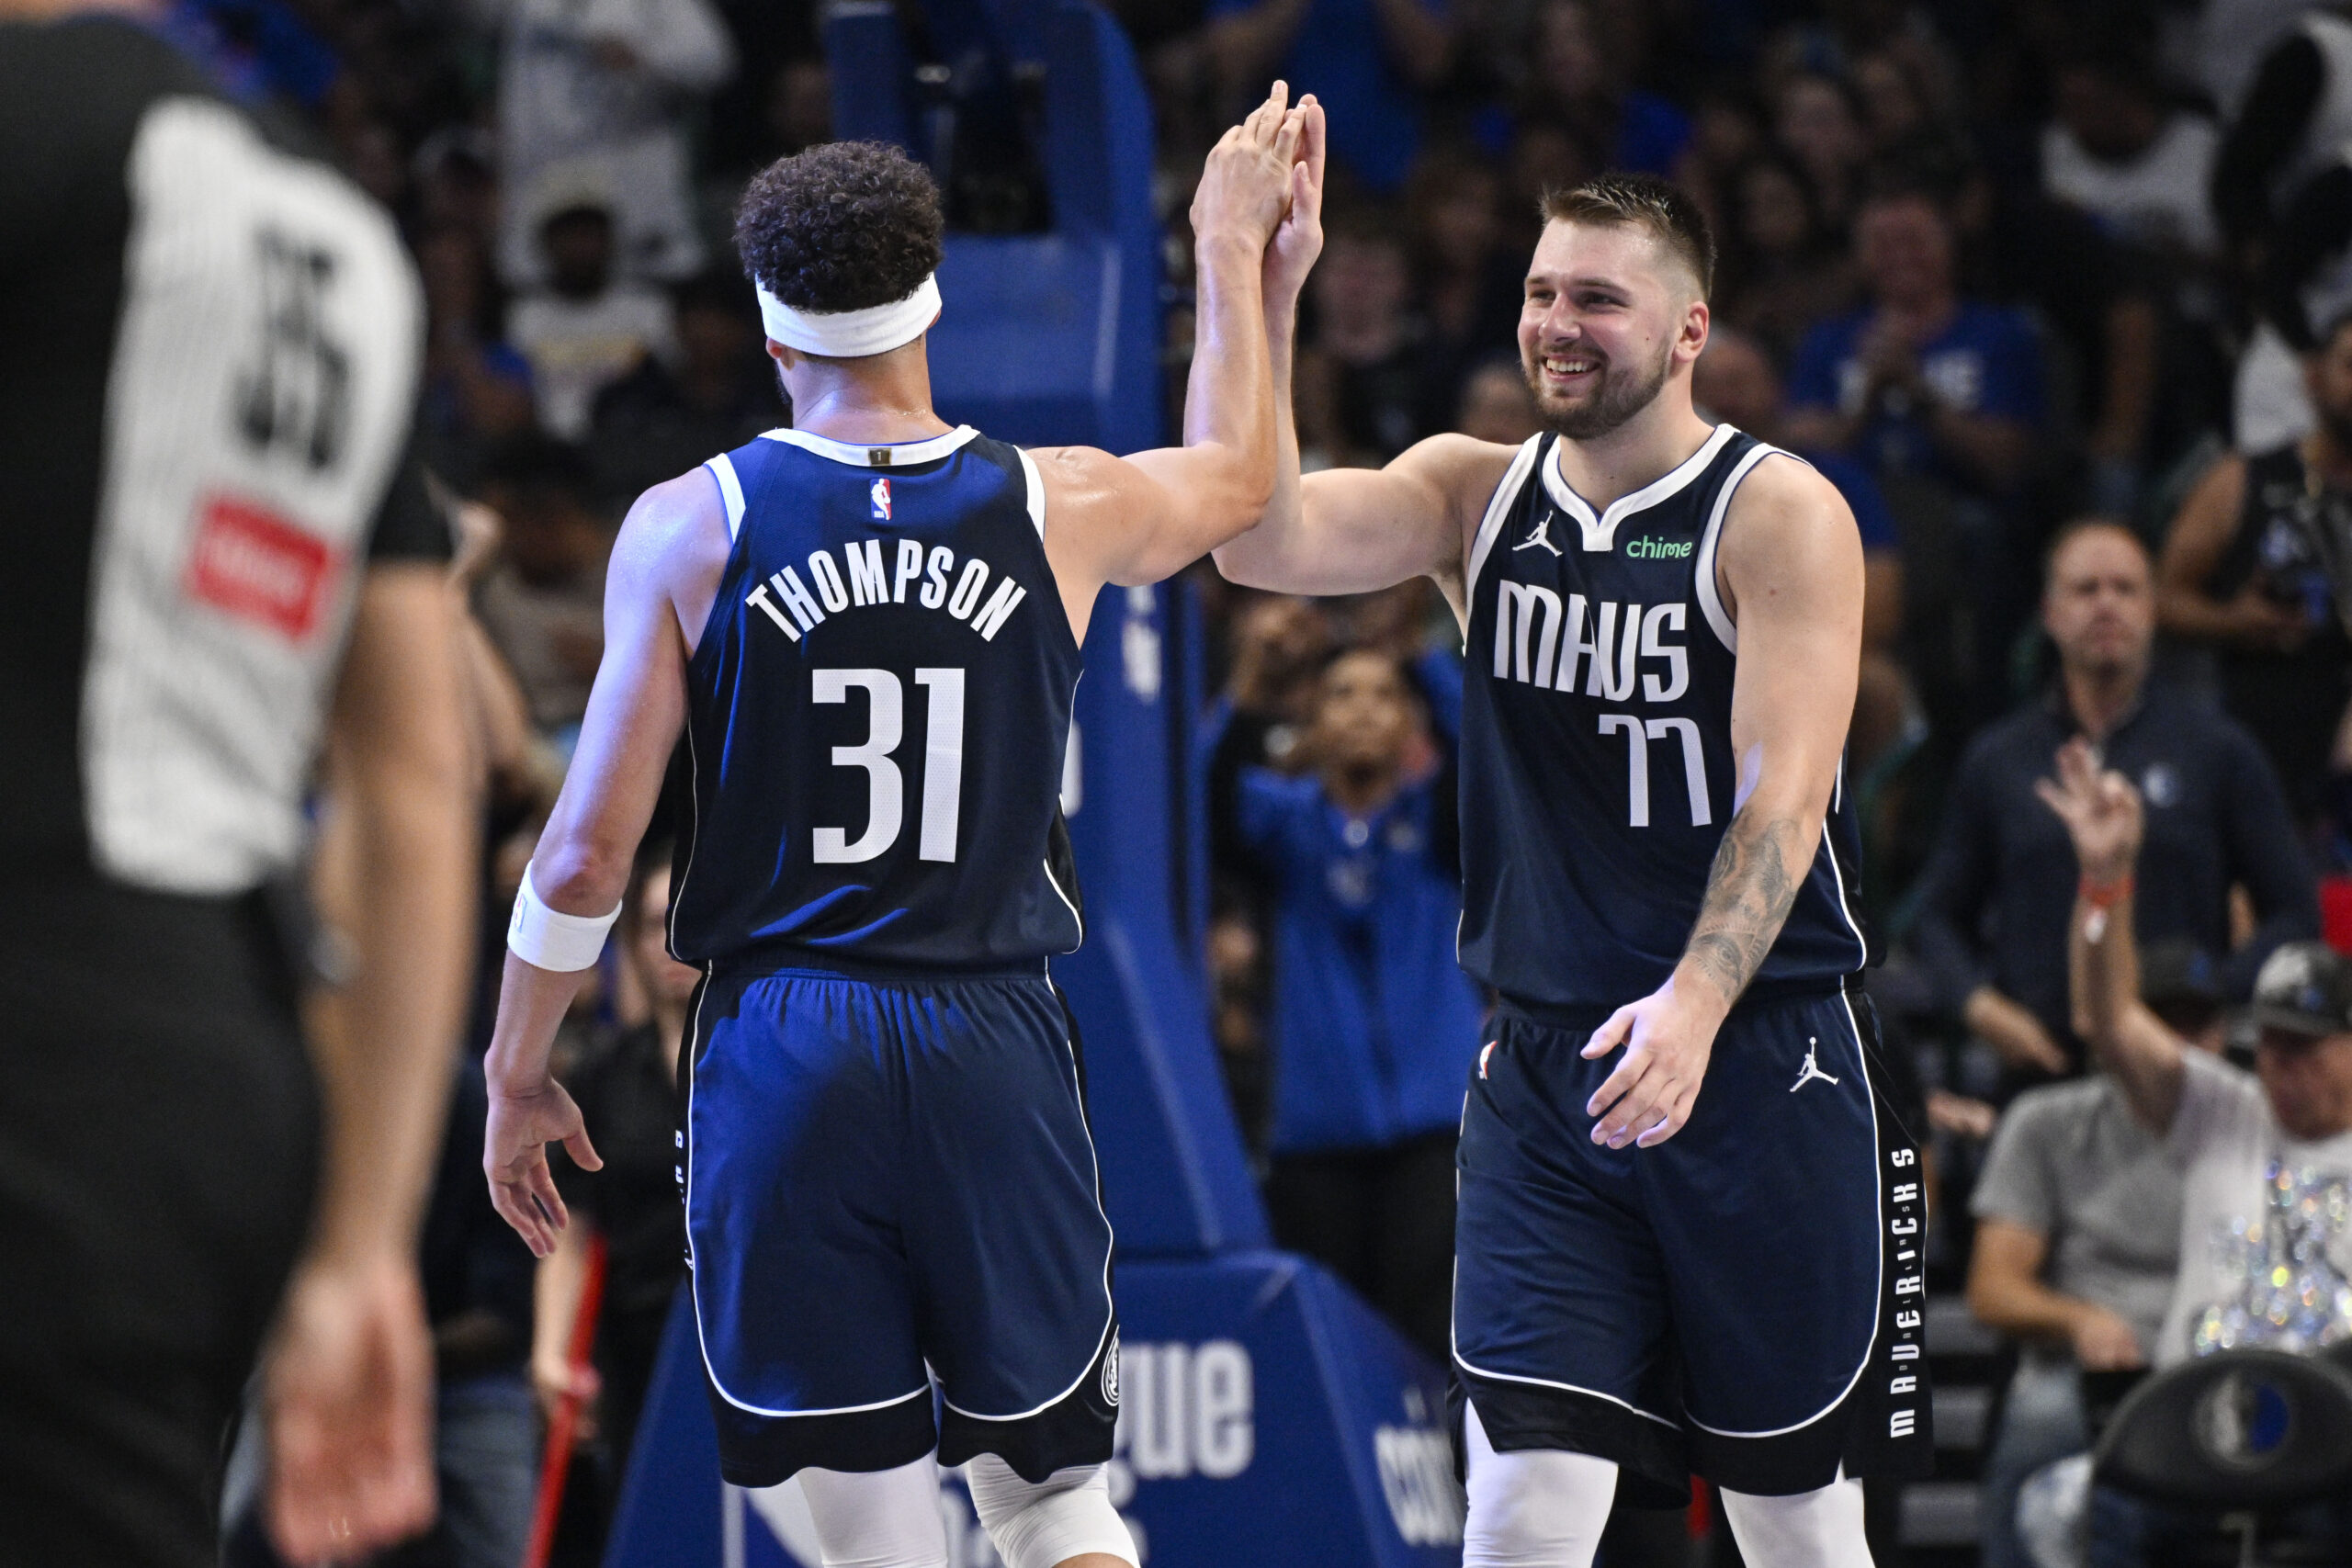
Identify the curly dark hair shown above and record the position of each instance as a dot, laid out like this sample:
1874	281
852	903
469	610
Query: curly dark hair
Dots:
845	226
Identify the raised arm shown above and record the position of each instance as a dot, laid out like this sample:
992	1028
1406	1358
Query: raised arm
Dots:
1350	530
1147	516
1790	571
664	573
2102	814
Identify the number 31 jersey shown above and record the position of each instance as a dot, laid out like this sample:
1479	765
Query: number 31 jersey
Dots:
876	713
1597	772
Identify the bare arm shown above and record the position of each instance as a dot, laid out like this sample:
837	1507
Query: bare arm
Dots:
349	1374
1147	516
1790	571
664	573
2102	814
2005	1291
1350	530
2200	536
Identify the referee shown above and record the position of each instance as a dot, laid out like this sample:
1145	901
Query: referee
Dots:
216	561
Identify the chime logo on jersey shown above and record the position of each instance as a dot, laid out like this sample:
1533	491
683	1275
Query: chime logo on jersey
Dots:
881	494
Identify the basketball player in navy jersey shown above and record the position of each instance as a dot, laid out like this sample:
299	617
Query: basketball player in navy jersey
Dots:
1688	1232
867	627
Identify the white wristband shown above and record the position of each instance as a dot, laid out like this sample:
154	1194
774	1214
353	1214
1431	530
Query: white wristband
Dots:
551	939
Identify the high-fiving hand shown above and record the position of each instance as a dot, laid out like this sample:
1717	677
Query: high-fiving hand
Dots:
1246	185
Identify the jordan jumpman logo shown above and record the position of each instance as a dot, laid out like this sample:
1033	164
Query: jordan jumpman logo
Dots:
1811	1068
1543	535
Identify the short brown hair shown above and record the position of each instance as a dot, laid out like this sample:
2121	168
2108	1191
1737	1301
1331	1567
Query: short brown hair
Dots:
1648	202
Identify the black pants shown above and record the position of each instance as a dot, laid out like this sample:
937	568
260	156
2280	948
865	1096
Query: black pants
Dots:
158	1143
1381	1220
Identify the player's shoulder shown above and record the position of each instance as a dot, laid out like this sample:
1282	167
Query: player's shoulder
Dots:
677	526
1788	501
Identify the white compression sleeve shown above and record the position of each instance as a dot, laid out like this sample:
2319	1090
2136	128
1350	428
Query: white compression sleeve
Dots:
1812	1530
1535	1508
1037	1526
886	1519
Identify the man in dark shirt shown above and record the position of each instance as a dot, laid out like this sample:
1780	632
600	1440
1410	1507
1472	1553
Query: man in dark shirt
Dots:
1996	892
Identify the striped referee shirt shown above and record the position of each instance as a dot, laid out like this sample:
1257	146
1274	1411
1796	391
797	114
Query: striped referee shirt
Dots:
209	347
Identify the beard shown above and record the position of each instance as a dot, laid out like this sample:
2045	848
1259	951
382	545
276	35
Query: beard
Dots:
1621	396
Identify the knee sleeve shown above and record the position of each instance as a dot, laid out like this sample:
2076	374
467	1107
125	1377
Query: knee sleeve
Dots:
1539	1508
1037	1526
1812	1529
889	1518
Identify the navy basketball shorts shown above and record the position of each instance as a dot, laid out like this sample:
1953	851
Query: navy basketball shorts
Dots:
1743	1300
892	1200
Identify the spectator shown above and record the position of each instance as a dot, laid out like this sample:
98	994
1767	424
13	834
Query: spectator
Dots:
658	422
629	1084
1360	384
598	90
1817	119
1373	1026
543	603
1468	286
2078	1243
1922	381
2245	571
1496	405
2305	282
2229	1132
1362	59
1784	278
2292	126
476	386
585	330
1279	645
2293	121
1939	394
2114	151
1582	72
1993	898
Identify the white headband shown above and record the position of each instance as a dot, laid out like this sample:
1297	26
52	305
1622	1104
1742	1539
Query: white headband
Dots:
852	334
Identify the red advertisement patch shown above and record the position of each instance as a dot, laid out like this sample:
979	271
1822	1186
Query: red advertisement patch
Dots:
258	566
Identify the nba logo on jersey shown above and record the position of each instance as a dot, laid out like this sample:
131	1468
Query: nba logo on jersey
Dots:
882	501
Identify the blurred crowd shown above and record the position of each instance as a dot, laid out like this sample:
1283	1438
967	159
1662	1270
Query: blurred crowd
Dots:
2057	292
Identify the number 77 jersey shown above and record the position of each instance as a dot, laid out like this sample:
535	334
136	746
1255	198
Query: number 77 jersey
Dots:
876	714
1597	771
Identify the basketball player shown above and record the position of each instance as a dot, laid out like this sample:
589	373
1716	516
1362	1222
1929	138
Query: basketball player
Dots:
1676	1186
868	626
217	557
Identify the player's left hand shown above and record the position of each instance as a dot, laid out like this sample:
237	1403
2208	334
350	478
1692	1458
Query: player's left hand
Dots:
349	1393
1669	1036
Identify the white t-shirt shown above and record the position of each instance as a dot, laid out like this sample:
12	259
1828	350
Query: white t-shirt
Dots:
2158	198
2224	1139
578	347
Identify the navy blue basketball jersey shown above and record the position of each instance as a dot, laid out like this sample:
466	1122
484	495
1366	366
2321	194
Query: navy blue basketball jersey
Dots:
1597	770
877	711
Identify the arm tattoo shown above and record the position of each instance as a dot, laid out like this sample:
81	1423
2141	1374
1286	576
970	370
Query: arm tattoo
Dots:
1750	890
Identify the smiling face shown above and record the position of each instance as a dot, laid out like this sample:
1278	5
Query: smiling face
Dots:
1611	314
